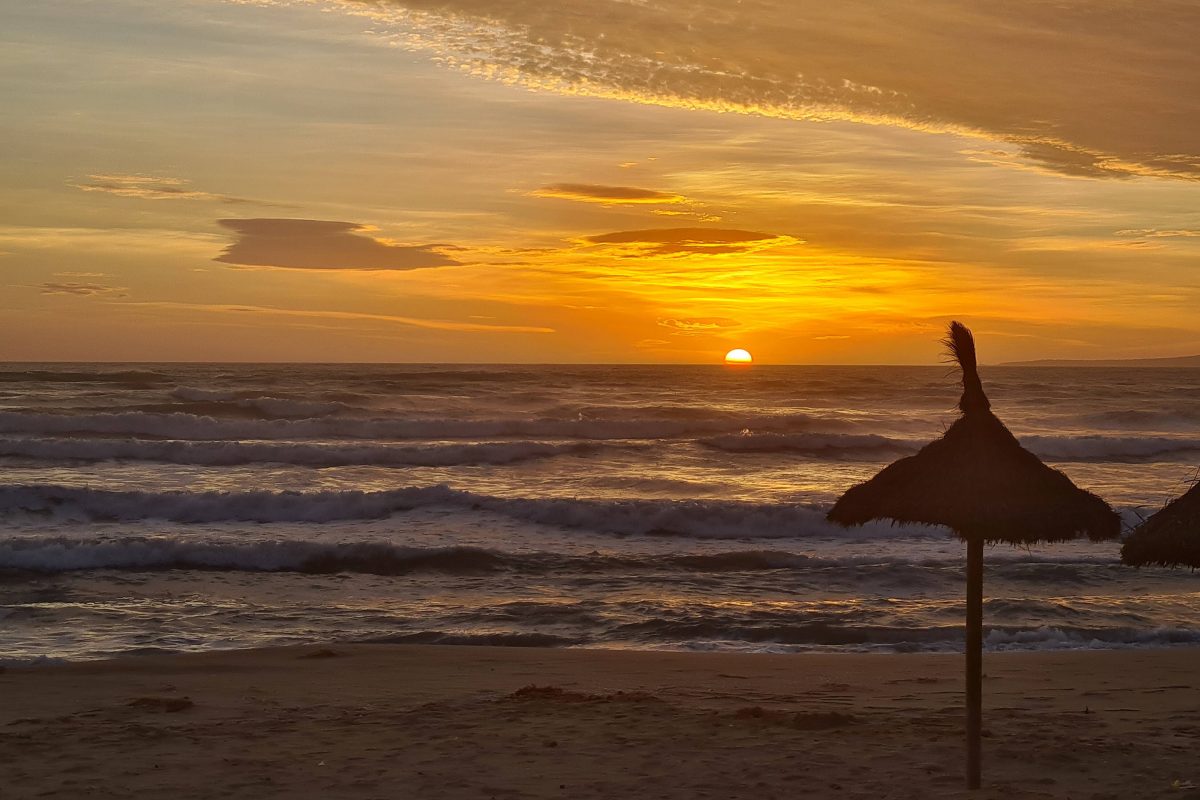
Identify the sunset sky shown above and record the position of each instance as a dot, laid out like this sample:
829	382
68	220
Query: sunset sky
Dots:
597	180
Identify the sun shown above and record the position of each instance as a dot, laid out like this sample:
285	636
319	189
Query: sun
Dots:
738	356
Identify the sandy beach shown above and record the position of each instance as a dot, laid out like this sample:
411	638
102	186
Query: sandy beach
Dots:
387	721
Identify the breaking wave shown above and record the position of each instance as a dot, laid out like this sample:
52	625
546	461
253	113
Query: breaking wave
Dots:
811	443
128	377
1110	448
1147	419
61	554
685	518
228	453
152	553
1053	448
191	426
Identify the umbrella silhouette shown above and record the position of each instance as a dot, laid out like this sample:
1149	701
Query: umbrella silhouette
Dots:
1169	538
978	481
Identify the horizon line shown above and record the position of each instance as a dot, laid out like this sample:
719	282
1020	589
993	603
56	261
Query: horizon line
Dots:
1027	364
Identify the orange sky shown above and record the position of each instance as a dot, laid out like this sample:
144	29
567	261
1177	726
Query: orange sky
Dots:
511	180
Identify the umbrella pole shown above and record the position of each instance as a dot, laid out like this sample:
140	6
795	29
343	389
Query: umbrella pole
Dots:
974	658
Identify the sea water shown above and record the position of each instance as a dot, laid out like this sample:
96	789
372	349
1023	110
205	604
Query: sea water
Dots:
148	508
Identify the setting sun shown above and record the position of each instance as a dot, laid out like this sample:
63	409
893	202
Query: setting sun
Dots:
738	356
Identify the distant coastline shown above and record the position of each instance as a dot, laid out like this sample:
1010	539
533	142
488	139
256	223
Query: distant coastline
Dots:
1177	361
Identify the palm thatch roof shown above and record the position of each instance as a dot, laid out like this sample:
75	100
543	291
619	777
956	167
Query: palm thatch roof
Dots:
1170	538
978	480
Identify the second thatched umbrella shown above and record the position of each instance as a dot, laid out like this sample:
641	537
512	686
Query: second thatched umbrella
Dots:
1169	538
978	481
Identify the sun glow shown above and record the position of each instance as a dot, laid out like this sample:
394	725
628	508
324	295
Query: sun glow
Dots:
738	356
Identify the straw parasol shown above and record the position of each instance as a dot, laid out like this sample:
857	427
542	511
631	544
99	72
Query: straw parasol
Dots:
1169	538
980	482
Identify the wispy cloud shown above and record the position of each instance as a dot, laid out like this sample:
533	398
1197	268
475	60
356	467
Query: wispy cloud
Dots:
1154	233
697	325
152	187
322	244
272	311
82	289
608	195
1116	98
692	241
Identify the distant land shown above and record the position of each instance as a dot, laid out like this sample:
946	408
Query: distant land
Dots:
1177	361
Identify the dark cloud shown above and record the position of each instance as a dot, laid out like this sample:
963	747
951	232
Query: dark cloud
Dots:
608	195
1074	161
84	289
322	244
693	241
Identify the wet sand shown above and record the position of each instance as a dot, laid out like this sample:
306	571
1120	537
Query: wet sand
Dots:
394	721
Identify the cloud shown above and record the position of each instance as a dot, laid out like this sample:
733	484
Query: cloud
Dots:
692	241
697	325
1114	98
608	195
352	316
1155	233
321	244
83	289
150	187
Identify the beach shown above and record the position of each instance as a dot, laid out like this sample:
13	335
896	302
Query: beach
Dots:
430	721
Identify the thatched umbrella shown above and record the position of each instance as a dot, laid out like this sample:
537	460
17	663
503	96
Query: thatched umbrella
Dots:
1170	538
978	481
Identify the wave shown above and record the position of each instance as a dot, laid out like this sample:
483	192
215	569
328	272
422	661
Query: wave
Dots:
229	453
1146	419
128	377
153	553
810	443
684	518
1053	448
820	636
263	407
505	639
191	426
60	554
1110	448
1051	637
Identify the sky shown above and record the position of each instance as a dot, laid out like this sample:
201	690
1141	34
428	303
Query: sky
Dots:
597	180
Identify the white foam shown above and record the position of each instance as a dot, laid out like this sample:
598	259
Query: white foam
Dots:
1050	637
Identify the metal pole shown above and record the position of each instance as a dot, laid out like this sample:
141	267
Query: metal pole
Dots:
974	658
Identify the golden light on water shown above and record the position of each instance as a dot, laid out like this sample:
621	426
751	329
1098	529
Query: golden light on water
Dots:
738	356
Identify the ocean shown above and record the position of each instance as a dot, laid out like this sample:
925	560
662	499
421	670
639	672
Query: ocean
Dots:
176	507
